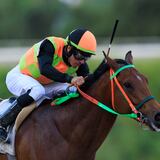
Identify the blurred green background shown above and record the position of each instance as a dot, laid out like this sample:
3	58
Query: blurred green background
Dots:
26	22
38	18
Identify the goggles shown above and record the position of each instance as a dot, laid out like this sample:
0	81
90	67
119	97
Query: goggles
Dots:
78	55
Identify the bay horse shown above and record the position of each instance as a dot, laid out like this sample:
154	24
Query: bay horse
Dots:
76	129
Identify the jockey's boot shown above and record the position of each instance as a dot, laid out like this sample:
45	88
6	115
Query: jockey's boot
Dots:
10	115
8	118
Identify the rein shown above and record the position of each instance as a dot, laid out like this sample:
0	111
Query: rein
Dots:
113	79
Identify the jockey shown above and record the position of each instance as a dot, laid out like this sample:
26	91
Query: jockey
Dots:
46	69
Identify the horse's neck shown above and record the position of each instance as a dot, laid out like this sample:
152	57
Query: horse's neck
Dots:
91	121
101	89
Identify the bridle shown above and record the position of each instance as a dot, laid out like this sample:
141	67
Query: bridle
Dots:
113	79
135	109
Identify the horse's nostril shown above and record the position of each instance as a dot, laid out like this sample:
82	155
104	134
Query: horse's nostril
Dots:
157	117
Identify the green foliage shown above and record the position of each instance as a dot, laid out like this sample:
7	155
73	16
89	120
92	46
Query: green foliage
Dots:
39	18
137	17
27	19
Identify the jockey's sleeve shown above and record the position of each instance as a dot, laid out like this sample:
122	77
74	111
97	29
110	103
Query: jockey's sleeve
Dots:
45	60
83	70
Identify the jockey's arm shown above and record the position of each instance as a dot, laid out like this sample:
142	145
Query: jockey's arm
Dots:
45	59
83	70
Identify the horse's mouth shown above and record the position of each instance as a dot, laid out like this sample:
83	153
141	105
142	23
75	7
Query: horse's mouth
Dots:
155	127
152	125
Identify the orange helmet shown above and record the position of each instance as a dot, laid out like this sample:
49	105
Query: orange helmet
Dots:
83	40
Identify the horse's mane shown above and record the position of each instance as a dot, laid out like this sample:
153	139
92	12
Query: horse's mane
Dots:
121	62
99	71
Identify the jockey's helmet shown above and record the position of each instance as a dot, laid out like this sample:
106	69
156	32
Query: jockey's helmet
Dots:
83	40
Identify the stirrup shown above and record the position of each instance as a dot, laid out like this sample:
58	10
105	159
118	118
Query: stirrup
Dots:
59	94
63	93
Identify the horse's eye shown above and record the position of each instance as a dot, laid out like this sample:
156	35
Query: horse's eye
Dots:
127	85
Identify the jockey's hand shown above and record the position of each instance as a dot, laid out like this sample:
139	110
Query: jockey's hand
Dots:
77	81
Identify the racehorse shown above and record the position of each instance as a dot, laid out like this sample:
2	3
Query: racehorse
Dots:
76	129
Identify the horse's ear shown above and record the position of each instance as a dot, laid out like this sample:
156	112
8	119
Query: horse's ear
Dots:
112	63
129	57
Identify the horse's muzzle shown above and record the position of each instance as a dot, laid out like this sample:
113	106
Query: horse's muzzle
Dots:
153	124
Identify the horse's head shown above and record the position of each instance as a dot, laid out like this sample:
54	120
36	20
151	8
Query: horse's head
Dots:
132	86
